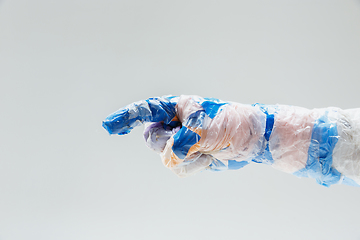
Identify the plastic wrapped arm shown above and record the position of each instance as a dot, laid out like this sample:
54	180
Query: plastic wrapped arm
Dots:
192	134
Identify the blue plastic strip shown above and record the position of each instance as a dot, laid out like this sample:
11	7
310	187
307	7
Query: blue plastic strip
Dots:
350	182
161	110
234	165
184	139
270	111
195	119
217	166
265	156
323	140
212	106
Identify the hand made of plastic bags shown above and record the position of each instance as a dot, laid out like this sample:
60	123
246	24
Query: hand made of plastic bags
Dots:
193	134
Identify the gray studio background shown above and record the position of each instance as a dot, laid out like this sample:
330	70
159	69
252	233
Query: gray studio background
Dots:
65	65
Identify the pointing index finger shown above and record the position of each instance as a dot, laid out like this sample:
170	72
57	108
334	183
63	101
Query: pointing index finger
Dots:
151	110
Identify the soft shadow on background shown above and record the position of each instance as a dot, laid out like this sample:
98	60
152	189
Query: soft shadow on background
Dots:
66	65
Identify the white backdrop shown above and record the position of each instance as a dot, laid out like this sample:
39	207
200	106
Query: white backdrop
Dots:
65	65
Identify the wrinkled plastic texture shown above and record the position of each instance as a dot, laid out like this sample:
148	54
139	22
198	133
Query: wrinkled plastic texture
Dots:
193	134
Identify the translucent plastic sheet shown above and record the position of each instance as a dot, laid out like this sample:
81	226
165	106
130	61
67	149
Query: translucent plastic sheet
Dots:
193	134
